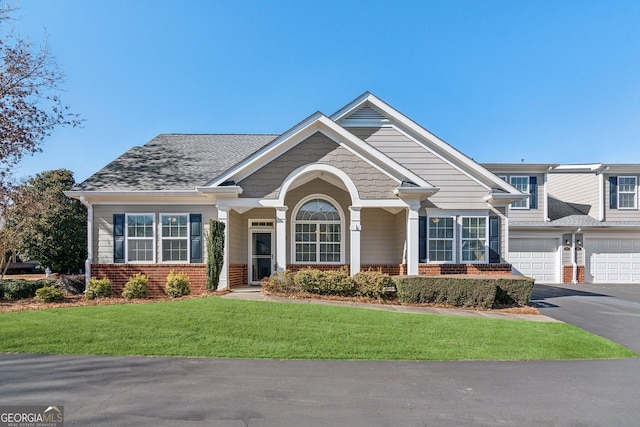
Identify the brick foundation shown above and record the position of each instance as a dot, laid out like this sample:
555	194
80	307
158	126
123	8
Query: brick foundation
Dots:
238	275
119	274
440	269
567	274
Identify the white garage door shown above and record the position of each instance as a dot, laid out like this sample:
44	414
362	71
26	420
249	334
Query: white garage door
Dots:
537	258
613	260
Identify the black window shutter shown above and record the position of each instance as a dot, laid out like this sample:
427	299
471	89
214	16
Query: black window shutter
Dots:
494	240
533	191
422	242
613	192
118	238
196	238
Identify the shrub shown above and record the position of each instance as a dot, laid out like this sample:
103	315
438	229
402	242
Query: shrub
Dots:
281	282
71	284
514	290
49	294
136	287
374	284
450	290
20	288
332	282
177	285
98	288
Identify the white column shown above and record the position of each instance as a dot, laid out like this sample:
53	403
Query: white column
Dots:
412	237
223	216
355	239
87	262
281	238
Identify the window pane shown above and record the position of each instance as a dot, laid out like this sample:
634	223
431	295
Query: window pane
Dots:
318	232
522	184
174	250
140	226
174	226
140	250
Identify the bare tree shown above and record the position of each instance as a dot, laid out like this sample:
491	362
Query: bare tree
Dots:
30	106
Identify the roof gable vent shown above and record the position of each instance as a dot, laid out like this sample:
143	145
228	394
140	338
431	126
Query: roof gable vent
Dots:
366	116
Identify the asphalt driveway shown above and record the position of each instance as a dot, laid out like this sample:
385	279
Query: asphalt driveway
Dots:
160	391
611	311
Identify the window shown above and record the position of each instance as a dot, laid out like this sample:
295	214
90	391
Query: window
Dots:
175	238
627	189
441	237
318	232
474	239
140	238
521	183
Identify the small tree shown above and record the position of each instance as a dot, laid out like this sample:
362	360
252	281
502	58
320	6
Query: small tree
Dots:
215	253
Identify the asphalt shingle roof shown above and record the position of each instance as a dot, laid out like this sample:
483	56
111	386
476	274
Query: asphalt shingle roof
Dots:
175	162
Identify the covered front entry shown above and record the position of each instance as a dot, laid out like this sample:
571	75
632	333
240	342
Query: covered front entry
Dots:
261	251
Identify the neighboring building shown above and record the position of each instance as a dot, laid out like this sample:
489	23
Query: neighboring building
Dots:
581	224
364	188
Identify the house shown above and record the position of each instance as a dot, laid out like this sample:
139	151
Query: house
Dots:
581	223
365	187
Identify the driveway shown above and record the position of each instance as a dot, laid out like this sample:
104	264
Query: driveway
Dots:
611	311
160	391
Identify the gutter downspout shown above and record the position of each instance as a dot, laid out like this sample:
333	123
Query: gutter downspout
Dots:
87	262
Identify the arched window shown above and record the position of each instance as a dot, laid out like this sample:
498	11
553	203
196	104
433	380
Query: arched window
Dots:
318	232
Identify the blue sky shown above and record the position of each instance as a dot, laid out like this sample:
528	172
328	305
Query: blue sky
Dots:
544	81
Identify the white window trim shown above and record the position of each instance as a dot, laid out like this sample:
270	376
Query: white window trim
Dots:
635	193
161	239
527	200
486	239
455	239
343	242
126	237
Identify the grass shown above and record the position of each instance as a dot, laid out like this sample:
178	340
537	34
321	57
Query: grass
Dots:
216	327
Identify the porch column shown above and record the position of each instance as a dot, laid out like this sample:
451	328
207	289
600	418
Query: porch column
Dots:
355	239
281	238
413	237
223	217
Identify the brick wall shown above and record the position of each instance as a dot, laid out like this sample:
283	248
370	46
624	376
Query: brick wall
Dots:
119	274
567	274
438	269
238	275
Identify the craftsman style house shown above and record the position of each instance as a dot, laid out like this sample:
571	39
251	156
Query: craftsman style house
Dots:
363	188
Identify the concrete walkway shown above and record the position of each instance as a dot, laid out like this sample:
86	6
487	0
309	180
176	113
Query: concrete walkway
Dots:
254	294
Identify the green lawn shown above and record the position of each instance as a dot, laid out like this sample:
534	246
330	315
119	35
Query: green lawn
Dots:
216	327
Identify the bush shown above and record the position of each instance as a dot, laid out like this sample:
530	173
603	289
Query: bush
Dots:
20	288
450	290
71	284
514	290
177	285
281	282
98	288
49	294
136	287
374	284
332	282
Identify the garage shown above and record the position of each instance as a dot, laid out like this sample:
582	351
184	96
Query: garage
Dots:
536	258
613	260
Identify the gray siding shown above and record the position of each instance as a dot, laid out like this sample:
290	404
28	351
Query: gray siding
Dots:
380	235
318	186
578	189
103	223
619	214
457	190
239	248
318	148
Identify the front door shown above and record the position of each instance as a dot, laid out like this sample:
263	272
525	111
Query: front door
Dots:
261	263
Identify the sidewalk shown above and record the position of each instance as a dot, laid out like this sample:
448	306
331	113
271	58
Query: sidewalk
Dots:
253	294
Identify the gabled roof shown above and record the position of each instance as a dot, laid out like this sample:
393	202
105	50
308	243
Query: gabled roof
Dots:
318	122
174	162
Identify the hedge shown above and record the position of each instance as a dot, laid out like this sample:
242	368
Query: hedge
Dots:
20	288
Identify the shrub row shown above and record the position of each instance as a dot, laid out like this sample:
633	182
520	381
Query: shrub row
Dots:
20	288
138	286
373	284
461	291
